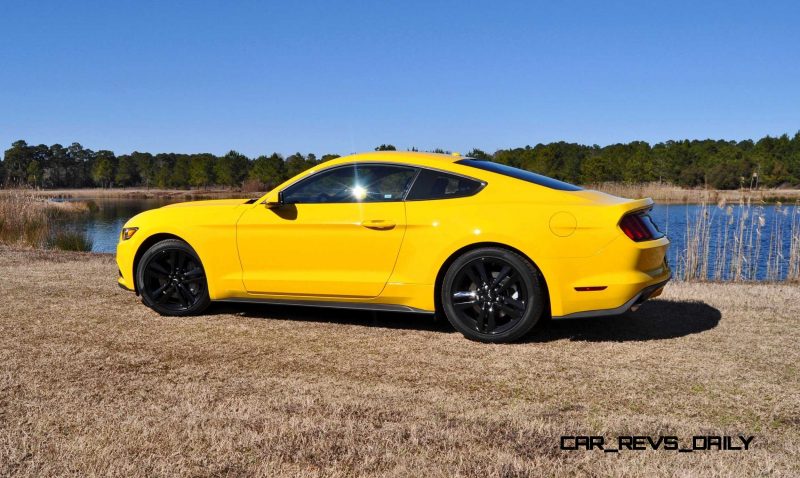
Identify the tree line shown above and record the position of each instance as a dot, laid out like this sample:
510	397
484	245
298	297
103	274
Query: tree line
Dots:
768	162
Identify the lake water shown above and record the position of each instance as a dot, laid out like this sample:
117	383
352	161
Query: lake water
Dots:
104	225
757	245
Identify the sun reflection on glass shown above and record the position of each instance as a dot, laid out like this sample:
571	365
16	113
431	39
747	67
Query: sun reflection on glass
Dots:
359	192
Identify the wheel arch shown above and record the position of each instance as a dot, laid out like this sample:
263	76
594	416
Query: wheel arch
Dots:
147	244
478	245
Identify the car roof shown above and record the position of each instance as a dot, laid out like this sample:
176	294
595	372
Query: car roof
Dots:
407	157
437	161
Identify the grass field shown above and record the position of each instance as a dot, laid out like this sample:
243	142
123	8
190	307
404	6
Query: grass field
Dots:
93	383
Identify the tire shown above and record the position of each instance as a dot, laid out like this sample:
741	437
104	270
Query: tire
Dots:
492	295
171	279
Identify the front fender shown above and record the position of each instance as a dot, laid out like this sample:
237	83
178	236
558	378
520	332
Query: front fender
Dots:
210	231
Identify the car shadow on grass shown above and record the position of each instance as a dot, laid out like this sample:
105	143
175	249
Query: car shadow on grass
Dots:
655	320
366	318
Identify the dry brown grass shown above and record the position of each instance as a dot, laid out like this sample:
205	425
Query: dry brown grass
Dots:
93	383
23	220
667	193
32	221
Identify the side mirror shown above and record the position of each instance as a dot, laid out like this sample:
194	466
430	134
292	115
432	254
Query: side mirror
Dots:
273	203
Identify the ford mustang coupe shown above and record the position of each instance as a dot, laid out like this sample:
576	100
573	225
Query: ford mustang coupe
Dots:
491	247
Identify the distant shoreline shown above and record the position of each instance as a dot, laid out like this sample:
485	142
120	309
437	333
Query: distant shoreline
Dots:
669	194
134	193
660	193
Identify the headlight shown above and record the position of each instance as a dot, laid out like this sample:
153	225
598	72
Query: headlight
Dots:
128	232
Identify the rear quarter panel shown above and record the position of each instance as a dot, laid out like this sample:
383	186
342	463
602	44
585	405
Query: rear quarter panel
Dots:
509	212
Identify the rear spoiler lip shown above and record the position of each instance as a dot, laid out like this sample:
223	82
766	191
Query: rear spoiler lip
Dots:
636	205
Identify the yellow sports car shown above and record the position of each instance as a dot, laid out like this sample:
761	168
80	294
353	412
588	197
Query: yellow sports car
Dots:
492	247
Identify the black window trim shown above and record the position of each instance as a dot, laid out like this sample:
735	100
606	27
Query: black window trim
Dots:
481	182
416	167
568	187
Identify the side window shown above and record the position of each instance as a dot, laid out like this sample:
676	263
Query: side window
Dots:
439	185
354	183
327	186
384	182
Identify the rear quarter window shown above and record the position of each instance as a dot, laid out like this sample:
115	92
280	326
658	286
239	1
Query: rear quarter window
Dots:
432	184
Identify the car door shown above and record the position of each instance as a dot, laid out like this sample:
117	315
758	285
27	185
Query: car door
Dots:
336	233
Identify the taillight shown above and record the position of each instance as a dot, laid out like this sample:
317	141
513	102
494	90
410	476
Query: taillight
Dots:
639	227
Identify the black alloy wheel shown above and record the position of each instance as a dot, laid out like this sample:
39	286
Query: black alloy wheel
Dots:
492	295
171	279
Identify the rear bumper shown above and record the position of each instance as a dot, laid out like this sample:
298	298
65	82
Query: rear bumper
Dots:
632	304
605	283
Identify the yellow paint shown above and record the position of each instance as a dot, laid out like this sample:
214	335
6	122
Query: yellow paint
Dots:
392	252
563	224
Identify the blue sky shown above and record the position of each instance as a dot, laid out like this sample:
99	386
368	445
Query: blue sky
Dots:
342	77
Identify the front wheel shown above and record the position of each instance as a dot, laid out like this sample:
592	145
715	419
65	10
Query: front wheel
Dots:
492	295
171	279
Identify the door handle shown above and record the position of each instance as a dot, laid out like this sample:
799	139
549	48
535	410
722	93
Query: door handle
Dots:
379	224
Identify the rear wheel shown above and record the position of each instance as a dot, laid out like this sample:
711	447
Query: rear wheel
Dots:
171	279
492	295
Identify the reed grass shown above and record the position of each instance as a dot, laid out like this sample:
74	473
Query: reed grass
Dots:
66	240
741	242
793	269
26	220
